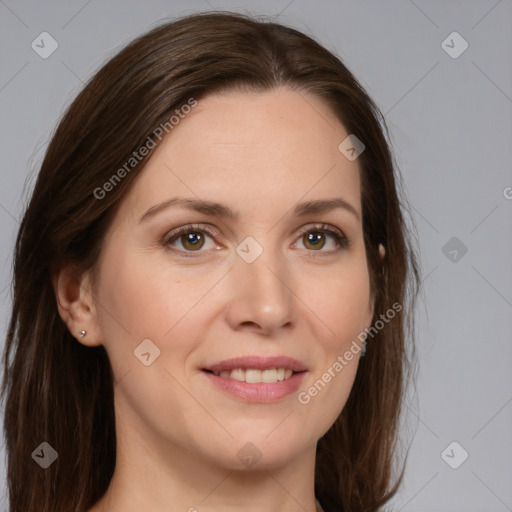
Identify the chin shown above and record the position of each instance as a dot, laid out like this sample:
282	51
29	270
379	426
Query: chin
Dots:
259	451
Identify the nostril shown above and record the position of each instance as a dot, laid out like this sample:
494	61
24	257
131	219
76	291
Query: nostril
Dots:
249	324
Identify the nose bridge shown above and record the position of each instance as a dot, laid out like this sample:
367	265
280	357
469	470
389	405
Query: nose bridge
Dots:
261	291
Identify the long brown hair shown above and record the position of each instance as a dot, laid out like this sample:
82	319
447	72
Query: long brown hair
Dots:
59	391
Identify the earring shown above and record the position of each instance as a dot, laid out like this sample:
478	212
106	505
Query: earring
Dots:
83	333
363	348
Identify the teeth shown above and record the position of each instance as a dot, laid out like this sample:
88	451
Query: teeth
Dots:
254	376
268	375
237	374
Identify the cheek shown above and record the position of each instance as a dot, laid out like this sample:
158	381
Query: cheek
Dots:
146	298
144	295
342	305
142	300
341	300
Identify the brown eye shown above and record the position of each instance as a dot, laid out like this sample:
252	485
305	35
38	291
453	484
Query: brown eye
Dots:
317	238
314	240
192	240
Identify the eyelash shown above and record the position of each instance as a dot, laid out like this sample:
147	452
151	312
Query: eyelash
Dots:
342	241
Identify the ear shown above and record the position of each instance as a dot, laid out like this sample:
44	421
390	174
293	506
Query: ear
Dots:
382	251
76	304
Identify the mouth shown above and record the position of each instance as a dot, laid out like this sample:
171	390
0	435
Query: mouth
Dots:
256	379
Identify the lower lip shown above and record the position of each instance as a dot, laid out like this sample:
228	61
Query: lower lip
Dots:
261	392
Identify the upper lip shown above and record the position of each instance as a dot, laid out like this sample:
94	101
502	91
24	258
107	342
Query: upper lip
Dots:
257	363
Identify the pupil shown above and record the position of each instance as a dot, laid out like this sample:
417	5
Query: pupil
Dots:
314	238
193	238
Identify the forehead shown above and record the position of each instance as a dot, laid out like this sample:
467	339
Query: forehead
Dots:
261	152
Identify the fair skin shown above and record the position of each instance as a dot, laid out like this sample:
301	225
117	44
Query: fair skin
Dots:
178	435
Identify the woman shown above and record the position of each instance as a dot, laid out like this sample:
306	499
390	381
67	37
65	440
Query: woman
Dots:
213	282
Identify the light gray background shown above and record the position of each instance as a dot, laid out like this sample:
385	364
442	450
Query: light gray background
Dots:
451	121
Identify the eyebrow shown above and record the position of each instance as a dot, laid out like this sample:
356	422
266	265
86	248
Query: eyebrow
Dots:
223	211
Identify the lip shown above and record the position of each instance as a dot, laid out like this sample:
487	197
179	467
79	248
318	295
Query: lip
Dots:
257	363
257	392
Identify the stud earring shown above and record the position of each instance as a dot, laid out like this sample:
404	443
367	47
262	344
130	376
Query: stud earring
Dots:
83	333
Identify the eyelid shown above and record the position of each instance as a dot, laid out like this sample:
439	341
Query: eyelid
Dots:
207	228
320	226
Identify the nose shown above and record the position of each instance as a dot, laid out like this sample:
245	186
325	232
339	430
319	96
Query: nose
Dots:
261	295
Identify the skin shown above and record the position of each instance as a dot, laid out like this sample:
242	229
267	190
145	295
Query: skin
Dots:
178	436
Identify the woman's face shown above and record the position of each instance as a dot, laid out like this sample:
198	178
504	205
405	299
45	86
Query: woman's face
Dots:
260	283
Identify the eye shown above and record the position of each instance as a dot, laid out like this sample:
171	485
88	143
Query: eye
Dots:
315	238
192	238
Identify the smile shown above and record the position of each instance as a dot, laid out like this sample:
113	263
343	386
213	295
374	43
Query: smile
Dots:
257	379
